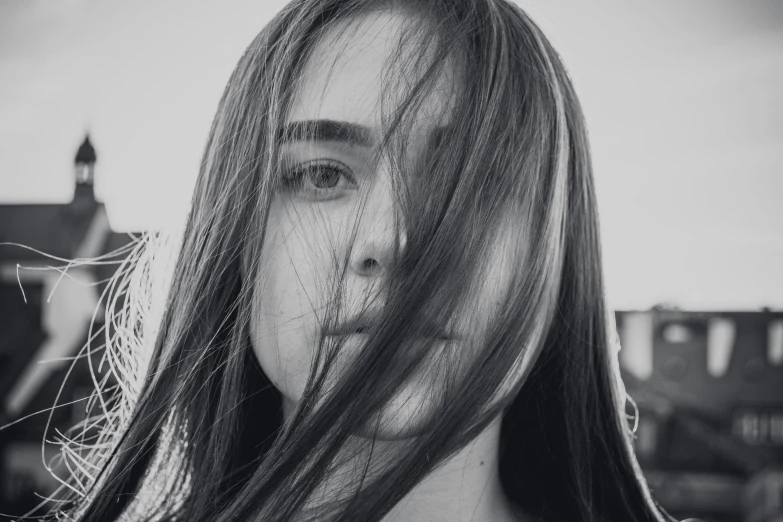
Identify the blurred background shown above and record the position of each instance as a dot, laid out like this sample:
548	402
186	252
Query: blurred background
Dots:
106	108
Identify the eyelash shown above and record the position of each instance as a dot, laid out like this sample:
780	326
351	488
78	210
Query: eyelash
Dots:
295	179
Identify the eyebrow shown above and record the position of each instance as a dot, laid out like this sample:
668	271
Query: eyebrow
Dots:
328	130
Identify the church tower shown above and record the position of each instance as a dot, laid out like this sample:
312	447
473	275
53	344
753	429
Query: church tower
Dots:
84	170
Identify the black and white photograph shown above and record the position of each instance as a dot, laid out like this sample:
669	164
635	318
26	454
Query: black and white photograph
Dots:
391	261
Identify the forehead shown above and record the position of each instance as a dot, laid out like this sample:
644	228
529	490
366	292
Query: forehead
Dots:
346	76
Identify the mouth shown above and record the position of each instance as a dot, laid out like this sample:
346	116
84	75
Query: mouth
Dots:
439	337
365	330
363	323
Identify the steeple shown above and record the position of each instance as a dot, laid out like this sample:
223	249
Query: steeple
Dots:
84	170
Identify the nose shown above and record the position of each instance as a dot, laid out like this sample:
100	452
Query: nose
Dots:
379	238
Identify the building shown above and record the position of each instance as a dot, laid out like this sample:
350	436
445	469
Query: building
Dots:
45	314
709	389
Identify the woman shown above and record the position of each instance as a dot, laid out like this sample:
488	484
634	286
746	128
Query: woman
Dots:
388	301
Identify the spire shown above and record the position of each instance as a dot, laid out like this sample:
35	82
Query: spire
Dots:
86	153
84	171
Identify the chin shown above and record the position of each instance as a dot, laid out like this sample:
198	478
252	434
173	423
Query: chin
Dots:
404	417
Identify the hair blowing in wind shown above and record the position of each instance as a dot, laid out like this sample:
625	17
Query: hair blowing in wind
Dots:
498	203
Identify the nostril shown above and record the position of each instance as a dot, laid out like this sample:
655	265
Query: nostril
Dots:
360	330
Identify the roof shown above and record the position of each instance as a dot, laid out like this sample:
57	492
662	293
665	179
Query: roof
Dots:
56	230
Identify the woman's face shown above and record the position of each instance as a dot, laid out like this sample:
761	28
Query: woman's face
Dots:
330	183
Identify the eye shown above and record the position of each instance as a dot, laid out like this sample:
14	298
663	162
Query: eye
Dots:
319	180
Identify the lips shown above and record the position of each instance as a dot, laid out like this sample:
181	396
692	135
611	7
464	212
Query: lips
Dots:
361	323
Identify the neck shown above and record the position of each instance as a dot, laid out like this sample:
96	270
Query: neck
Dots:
464	487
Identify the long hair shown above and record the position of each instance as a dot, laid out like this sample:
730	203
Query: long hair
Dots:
194	430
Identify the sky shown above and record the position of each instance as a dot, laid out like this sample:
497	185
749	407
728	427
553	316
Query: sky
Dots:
682	102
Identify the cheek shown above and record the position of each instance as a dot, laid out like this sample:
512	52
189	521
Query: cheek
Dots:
491	285
278	332
284	325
